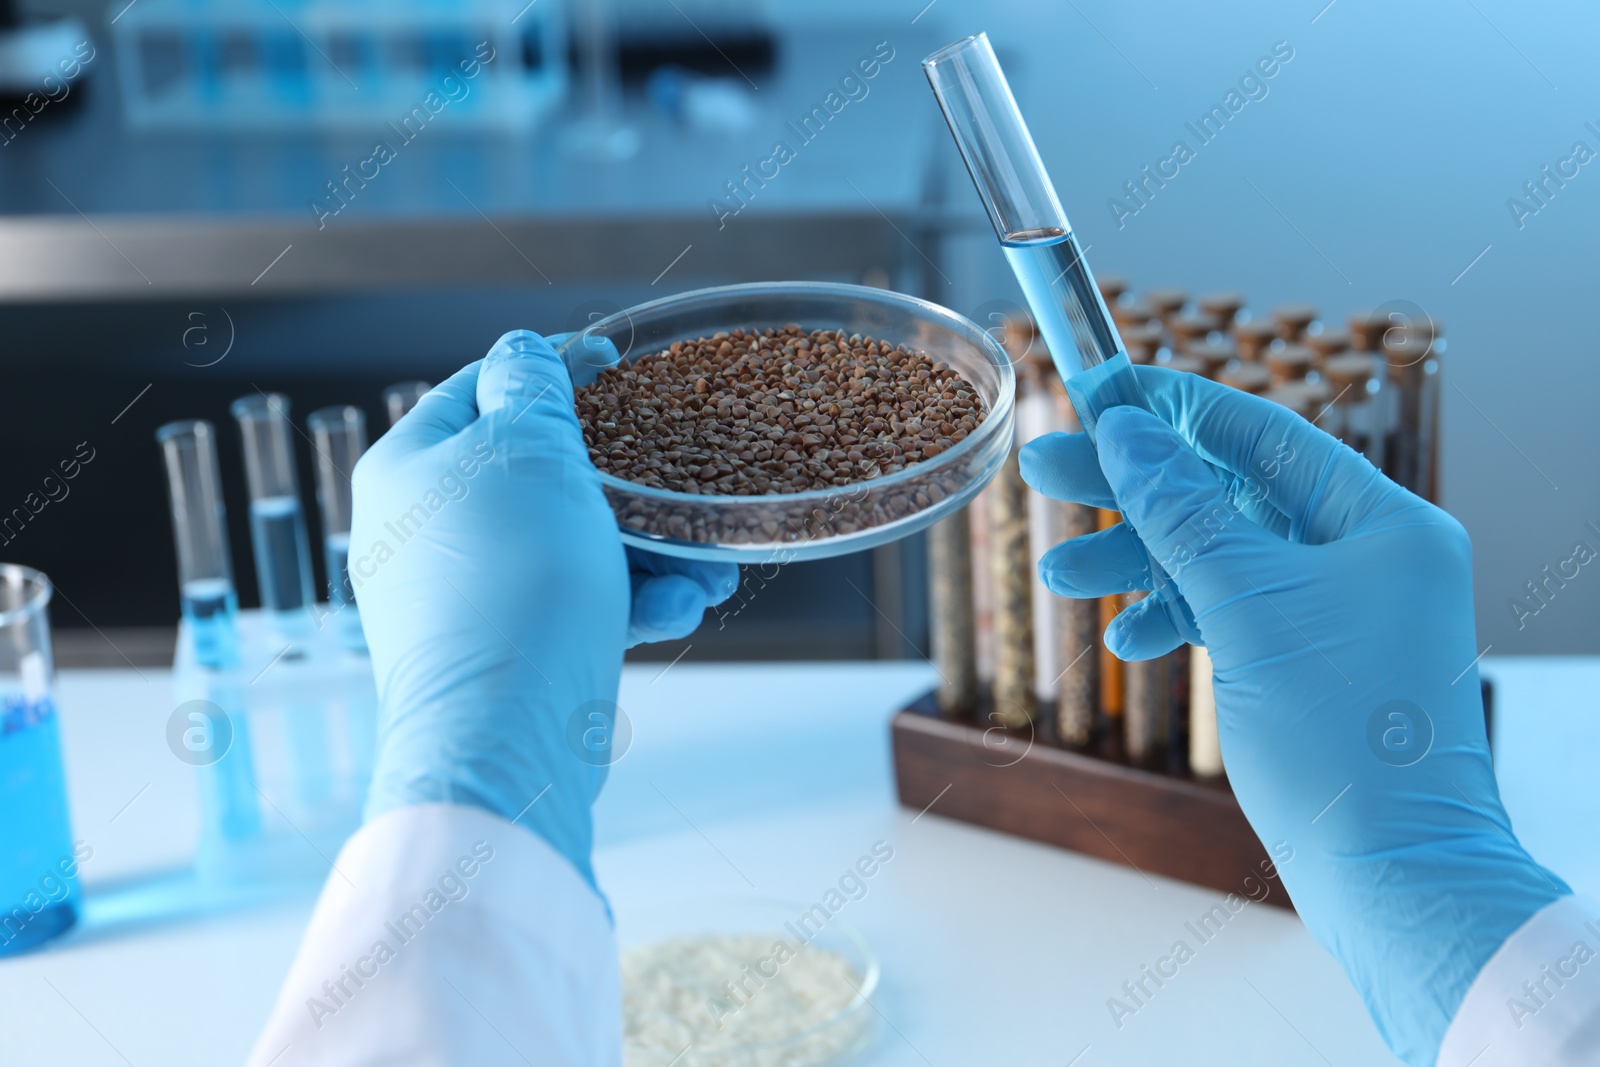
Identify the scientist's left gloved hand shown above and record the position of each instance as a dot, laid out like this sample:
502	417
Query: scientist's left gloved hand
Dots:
497	599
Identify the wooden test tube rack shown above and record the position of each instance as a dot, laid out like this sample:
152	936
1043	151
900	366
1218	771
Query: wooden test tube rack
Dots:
1023	783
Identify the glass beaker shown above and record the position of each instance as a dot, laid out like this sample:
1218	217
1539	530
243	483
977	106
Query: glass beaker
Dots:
38	865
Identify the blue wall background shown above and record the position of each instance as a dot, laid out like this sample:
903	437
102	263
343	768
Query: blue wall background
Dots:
1390	145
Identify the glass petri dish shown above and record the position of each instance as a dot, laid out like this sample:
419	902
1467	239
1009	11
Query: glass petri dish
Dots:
718	1024
783	527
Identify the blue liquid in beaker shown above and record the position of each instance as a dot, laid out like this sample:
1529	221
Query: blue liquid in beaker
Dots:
38	883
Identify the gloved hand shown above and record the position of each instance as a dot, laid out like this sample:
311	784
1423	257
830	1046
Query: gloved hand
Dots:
1337	609
497	599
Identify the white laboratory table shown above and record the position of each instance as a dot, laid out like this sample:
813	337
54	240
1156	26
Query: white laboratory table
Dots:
771	780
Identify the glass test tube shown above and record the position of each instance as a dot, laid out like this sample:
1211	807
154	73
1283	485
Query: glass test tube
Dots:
1205	752
39	865
1412	414
1011	578
200	528
1034	233
951	611
1038	241
1078	627
339	436
1036	416
402	397
1146	685
277	522
1353	418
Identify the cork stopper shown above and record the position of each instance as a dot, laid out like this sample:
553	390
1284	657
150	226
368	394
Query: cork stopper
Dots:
1211	355
1289	363
1187	364
1327	344
1166	302
1142	341
1130	313
1349	370
1252	338
1366	330
1111	287
1223	305
1248	377
1292	320
1306	399
1189	330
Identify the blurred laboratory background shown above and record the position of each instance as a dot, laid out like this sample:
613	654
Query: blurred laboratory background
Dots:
206	199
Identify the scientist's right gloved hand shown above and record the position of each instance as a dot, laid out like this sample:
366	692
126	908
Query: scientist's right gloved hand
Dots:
1337	609
496	599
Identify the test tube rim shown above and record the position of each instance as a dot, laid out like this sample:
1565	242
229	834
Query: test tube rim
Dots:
395	387
196	428
259	406
36	602
1057	224
337	417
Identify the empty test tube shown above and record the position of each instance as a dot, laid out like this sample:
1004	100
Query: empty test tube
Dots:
199	525
402	397
339	435
277	522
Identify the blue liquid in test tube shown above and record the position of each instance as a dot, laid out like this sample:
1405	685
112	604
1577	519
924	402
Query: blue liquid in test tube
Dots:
283	557
212	609
1037	240
277	521
339	437
228	804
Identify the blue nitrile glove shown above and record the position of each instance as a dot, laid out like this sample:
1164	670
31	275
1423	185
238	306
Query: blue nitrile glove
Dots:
1337	608
497	599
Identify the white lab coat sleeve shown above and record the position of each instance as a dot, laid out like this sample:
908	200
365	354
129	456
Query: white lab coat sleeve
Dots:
1536	1003
447	935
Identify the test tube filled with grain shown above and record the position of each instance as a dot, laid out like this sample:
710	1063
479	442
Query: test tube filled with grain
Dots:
950	609
1146	689
1353	418
1412	415
1205	753
1011	580
1076	621
1109	726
